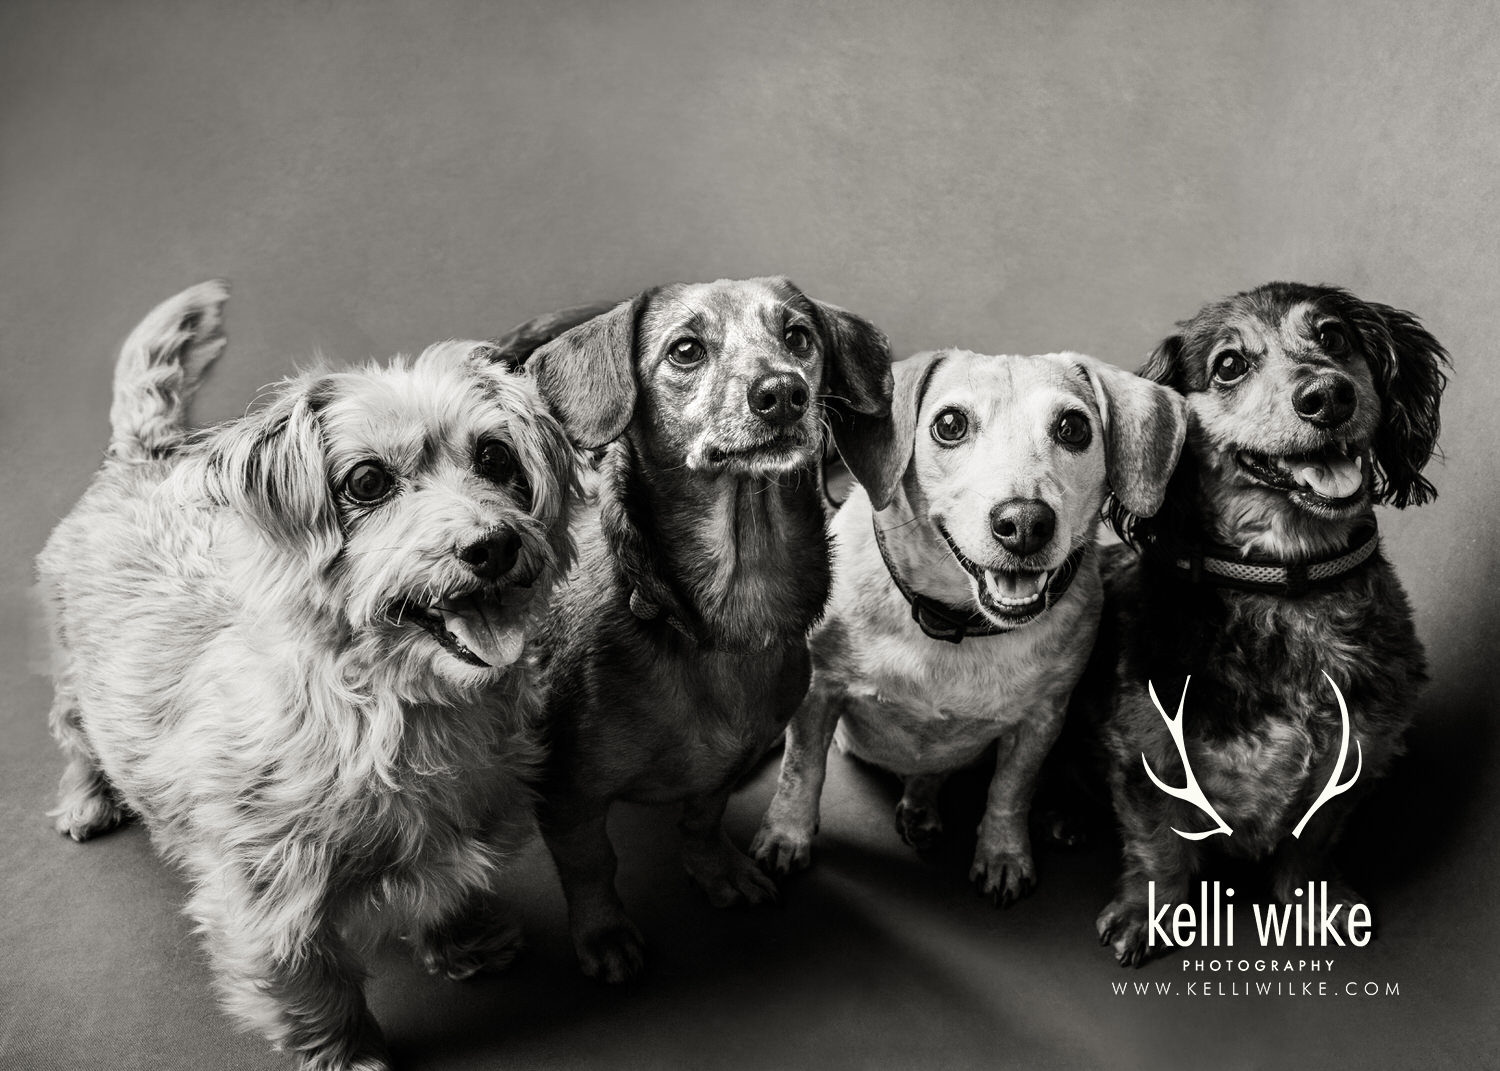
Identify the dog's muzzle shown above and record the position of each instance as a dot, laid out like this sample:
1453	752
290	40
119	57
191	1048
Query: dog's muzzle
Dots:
939	621
1327	480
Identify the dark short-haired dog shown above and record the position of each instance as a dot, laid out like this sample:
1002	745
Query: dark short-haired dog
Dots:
1261	574
678	650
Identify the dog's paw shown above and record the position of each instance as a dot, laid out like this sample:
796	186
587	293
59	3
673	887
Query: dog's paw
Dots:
1122	926
360	1049
1003	875
1060	827
612	955
461	954
920	826
365	1062
781	850
728	876
86	815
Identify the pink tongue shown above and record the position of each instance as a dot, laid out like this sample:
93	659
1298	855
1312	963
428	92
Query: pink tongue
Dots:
1331	479
478	627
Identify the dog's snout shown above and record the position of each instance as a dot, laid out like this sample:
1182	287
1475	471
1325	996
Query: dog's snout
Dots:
492	555
1023	525
1326	401
778	398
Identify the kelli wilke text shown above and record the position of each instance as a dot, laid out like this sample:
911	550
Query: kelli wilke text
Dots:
1210	924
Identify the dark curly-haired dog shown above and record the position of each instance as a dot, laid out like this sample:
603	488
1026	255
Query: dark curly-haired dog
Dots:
1261	574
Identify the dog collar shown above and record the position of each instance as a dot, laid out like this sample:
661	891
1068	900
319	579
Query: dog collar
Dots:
1287	579
644	609
939	621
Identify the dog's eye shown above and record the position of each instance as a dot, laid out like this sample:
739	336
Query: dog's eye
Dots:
1230	366
950	426
797	338
1073	430
496	461
1332	338
686	352
368	482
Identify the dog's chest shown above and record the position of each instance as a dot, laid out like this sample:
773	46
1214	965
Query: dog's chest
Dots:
915	705
1255	780
1264	727
726	712
758	564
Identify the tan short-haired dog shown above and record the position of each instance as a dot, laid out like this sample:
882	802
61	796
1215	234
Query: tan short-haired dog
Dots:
966	592
294	644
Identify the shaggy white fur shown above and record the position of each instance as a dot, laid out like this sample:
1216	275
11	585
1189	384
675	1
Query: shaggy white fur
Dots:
295	645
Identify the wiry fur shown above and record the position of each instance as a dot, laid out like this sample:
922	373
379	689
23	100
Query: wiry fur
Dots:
678	648
924	707
1262	725
238	664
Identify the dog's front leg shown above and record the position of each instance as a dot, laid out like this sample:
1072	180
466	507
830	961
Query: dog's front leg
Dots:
1153	854
721	870
87	804
293	978
783	844
1003	867
480	937
608	945
1300	863
917	817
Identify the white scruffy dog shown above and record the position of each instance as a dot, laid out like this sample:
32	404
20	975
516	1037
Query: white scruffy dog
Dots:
295	645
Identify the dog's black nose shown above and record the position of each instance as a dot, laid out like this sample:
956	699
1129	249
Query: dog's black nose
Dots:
1023	525
1326	401
492	555
778	398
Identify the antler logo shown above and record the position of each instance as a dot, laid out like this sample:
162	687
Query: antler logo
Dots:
1192	793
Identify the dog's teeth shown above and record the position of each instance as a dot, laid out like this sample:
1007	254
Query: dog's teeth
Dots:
1001	587
1359	462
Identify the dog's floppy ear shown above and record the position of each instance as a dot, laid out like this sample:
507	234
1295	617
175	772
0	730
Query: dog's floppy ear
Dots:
1164	365
857	386
858	377
879	450
271	468
514	348
1144	426
587	374
1408	365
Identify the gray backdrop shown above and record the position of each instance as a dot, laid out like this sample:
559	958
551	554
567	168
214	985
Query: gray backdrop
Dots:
1002	176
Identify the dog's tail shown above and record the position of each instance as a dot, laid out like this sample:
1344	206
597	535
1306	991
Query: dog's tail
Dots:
159	369
516	345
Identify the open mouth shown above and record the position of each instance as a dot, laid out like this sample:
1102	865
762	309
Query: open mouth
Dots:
1331	479
1011	597
474	628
